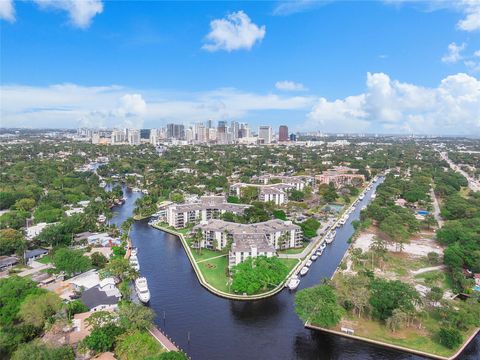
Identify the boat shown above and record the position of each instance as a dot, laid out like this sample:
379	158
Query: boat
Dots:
134	252
141	287
145	191
103	184
319	252
324	245
364	207
308	263
293	282
136	189
314	257
304	271
362	196
134	262
329	239
152	222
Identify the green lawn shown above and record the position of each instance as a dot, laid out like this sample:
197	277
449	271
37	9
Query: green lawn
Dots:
410	337
45	260
292	250
291	263
214	272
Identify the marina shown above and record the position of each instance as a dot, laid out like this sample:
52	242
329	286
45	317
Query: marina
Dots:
183	306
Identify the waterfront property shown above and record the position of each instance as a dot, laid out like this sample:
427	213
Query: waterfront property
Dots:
299	182
340	176
249	240
209	207
276	193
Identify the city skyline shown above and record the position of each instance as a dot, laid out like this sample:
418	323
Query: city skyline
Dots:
269	63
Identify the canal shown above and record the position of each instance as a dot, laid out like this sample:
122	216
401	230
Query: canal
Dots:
224	329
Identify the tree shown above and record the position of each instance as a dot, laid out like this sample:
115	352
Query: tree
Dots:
258	274
450	337
121	269
13	291
310	227
397	320
378	249
71	261
101	318
297	195
386	296
75	307
233	199
38	351
137	345
11	241
256	213
434	295
136	317
249	194
279	214
103	338
25	204
98	260
330	194
38	308
318	305
177	197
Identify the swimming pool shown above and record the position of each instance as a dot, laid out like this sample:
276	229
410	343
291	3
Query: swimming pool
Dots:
422	212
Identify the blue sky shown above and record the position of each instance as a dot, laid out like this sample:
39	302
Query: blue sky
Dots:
329	66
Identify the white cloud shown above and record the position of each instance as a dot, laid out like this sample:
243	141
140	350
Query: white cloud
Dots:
80	12
454	53
290	86
392	106
7	11
295	6
234	32
69	105
477	53
471	9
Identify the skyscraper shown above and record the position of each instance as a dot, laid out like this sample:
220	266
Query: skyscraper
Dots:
283	133
265	134
134	137
176	131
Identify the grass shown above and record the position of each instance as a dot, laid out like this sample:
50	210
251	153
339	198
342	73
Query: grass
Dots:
291	263
47	259
439	278
292	250
214	272
410	337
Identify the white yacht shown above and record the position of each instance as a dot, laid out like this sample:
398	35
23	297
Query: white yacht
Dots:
136	189
364	207
293	282
324	245
134	252
319	252
134	263
141	287
145	191
362	196
314	257
308	263
304	271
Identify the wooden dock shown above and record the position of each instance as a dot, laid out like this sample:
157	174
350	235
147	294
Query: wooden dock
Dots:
168	344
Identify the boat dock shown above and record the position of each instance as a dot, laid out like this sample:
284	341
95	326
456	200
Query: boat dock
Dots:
168	344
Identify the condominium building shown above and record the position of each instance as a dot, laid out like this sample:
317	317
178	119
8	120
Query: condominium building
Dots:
118	137
265	134
276	193
299	182
340	176
209	207
134	137
176	131
249	240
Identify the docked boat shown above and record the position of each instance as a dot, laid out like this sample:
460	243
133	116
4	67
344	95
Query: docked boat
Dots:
293	282
364	207
141	287
319	252
362	196
329	239
136	189
152	222
134	252
145	191
323	246
134	263
304	271
314	257
308	263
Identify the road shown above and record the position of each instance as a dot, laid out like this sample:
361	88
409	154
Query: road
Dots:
473	184
436	209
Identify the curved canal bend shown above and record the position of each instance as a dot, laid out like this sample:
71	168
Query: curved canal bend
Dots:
225	329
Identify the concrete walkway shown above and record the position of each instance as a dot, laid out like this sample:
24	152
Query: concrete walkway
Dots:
215	257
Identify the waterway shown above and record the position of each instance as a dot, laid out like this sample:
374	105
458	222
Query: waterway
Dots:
208	327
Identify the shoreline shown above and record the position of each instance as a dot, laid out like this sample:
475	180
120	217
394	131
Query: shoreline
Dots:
214	290
396	347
